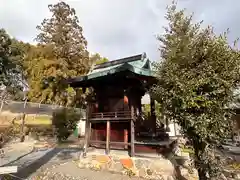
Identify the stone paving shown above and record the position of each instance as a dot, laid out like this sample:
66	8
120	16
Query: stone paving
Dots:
14	151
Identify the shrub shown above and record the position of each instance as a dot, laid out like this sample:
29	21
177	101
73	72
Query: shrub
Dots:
9	133
42	130
64	122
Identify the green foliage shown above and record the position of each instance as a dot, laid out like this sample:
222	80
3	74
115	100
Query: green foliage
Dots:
235	166
147	110
187	150
8	133
97	59
35	65
10	56
197	75
65	121
61	54
63	32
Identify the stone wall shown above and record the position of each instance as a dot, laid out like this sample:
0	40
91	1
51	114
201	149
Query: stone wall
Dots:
157	168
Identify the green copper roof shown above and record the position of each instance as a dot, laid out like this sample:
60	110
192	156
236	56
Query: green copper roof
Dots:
138	64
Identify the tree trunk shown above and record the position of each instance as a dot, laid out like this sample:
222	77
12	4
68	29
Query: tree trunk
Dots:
199	150
202	174
22	139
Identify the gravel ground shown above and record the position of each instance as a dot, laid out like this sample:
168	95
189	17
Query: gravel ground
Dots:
87	175
70	171
54	176
58	164
14	151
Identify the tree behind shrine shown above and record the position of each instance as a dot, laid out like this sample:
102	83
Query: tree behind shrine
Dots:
97	59
197	74
61	37
11	56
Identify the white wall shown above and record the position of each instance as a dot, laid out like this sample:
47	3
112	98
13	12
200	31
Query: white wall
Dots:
81	127
145	99
174	129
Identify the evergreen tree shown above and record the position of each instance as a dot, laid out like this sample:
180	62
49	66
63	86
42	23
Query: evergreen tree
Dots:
66	54
97	59
197	74
10	64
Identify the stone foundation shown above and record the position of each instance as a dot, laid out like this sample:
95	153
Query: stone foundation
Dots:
157	168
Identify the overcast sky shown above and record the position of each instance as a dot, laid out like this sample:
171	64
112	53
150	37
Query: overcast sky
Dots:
119	28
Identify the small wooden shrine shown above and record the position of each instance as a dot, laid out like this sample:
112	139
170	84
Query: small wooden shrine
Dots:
114	115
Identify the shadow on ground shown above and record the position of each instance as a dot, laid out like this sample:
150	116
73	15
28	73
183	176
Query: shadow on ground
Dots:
60	153
28	170
68	154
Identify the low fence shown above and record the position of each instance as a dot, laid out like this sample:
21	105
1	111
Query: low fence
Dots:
35	113
13	110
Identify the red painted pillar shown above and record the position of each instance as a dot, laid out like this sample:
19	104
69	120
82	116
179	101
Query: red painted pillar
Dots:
108	131
125	138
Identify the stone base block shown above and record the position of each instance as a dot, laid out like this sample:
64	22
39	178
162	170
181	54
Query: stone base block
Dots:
141	167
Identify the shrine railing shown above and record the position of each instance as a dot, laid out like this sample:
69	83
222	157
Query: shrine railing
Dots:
119	115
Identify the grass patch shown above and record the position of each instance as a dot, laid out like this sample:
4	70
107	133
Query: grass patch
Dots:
187	150
38	120
235	166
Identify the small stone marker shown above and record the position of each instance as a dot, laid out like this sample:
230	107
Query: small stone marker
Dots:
8	169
